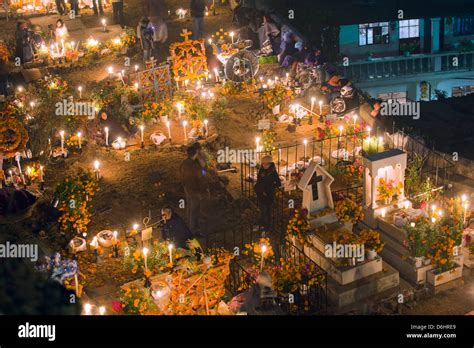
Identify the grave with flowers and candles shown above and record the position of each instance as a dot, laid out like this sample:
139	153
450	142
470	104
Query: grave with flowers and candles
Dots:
355	271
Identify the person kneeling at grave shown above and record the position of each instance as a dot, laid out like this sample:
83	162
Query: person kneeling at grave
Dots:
175	229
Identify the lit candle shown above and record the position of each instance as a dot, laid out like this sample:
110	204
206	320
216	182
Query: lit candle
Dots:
18	163
97	169
11	176
216	74
102	310
210	41
106	129
169	129
355	119
110	70
340	130
368	130
257	141
264	248
207	129
80	91
142	128
463	198
104	25
383	212
406	204
79	135
313	99
87	309
320	107
232	36
115	237
62	46
41	178
170	250
412	224
61	133
145	253
287	77
184	130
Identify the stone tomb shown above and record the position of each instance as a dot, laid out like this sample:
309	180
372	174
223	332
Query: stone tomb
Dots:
346	284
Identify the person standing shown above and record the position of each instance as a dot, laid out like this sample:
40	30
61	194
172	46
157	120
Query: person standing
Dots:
74	8
160	36
117	8
191	178
97	7
145	35
60	7
24	43
197	14
267	182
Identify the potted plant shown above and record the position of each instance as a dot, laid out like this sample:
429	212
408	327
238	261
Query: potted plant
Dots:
407	48
349	212
372	242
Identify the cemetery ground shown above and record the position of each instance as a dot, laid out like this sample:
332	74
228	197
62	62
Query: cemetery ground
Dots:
132	190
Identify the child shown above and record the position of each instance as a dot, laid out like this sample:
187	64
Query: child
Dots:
145	34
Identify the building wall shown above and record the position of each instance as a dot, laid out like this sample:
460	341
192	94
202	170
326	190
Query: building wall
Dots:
452	42
349	42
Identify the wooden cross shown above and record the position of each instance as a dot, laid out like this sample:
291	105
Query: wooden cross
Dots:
185	34
314	185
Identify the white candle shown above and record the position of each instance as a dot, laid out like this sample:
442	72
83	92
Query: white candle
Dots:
368	130
80	92
355	119
382	212
340	130
320	107
142	128
106	136
184	130
313	99
97	169
305	142
11	176
216	74
207	129
170	250
145	253
115	237
102	310
287	77
264	248
18	162
76	281
62	46
169	129
79	135
232	36
104	24
257	141
179	106
61	133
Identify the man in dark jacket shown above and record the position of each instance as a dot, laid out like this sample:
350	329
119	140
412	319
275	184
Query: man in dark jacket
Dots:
197	15
174	228
267	182
191	178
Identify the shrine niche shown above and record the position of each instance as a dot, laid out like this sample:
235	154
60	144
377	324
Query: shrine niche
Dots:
154	83
189	59
384	177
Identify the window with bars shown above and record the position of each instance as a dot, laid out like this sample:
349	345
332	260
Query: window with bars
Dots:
373	33
463	26
409	28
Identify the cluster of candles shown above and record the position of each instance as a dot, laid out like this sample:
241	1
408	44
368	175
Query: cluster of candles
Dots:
88	309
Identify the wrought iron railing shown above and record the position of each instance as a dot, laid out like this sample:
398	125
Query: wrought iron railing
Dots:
393	67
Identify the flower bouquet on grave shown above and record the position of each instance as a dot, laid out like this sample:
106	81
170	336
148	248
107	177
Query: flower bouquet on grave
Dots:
268	140
349	211
298	226
255	250
387	189
420	236
372	242
134	300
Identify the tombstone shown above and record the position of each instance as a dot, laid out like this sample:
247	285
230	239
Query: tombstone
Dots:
316	186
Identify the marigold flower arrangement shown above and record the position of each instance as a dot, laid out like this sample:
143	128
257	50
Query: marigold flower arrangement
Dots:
354	171
329	130
419	237
254	250
298	226
74	196
128	36
371	240
441	253
55	85
288	275
277	95
268	140
386	190
157	259
348	210
135	301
